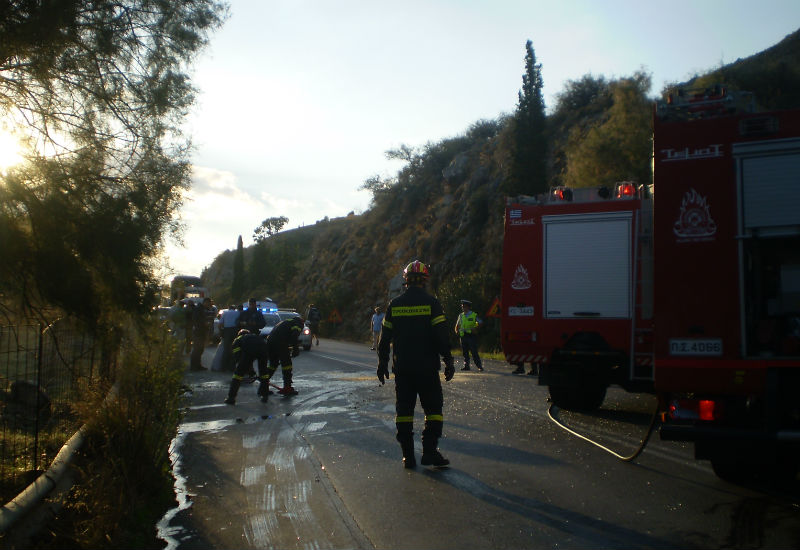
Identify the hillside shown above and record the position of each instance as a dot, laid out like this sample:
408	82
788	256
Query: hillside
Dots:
445	207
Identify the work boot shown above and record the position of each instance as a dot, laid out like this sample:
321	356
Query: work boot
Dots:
434	458
232	391
520	370
465	368
287	389
263	391
407	445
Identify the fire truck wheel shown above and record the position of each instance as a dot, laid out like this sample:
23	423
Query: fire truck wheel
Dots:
730	469
578	399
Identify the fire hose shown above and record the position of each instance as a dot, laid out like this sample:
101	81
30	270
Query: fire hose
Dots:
653	420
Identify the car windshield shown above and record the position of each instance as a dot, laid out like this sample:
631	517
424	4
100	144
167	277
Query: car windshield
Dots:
272	319
287	315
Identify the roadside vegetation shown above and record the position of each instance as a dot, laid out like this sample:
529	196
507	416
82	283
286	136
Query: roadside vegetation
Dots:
123	482
94	95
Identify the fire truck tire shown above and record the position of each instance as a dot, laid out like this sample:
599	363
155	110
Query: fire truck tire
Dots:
560	397
730	469
578	399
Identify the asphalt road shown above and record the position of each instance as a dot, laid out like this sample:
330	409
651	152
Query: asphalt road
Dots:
323	470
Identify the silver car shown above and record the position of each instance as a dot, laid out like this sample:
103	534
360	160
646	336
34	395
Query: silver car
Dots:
305	337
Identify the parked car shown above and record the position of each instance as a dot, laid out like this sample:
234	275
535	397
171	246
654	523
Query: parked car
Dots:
305	336
271	319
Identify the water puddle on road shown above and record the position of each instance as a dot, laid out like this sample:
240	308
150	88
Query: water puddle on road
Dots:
173	535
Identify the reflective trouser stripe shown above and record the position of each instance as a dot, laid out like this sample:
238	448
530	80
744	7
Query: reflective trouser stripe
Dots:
238	377
401	419
434	417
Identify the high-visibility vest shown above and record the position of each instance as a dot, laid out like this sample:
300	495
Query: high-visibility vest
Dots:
467	323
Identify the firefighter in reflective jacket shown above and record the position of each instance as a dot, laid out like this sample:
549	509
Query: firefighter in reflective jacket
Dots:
467	327
283	345
248	347
416	330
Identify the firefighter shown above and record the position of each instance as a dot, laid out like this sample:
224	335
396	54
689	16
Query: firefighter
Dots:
416	330
283	345
248	347
467	327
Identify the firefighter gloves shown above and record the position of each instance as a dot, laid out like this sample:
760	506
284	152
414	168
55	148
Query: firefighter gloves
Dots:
449	369
383	371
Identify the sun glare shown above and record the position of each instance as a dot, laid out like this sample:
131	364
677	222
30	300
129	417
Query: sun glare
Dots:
10	150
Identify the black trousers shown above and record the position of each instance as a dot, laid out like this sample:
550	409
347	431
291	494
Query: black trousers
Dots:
427	385
469	344
281	355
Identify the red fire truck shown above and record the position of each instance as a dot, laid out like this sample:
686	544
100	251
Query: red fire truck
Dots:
700	300
577	296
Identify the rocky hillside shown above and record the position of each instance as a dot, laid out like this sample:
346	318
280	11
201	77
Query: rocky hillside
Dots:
445	207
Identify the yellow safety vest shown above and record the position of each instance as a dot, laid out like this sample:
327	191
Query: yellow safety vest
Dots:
467	322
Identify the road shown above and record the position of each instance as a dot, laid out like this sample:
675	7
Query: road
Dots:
323	470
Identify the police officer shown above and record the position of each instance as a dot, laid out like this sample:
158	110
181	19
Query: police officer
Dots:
248	347
283	345
467	328
416	330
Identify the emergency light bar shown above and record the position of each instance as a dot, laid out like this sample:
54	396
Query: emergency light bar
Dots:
622	190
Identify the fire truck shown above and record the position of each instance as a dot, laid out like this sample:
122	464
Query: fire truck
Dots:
577	290
695	296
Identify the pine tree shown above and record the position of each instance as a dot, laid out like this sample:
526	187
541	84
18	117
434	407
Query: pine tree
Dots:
237	281
528	172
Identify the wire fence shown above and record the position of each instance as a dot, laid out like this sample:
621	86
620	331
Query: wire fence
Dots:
44	372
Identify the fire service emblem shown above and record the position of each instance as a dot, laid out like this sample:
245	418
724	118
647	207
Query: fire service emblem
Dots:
694	221
521	280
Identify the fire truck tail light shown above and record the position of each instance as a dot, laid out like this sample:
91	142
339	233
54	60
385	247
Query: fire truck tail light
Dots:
707	410
625	190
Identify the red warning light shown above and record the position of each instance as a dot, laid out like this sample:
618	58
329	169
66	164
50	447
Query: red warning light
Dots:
625	190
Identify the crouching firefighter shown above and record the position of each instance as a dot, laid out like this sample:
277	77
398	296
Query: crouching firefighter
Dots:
283	345
414	327
248	347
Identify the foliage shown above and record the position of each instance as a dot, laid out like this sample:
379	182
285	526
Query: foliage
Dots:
237	281
96	92
529	154
269	227
125	482
773	76
619	147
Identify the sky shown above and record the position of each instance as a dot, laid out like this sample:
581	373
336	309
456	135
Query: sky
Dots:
300	99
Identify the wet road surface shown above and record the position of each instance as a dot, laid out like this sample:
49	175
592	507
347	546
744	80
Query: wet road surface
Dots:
322	470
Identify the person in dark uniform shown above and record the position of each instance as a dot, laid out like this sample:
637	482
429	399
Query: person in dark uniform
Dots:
202	315
415	329
314	317
283	345
251	319
248	347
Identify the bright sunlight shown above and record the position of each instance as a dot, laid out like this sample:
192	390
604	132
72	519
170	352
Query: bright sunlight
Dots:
10	150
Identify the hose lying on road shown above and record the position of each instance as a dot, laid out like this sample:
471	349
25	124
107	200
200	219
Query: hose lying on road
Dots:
550	414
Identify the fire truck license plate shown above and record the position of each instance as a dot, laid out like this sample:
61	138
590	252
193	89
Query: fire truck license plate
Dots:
692	346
